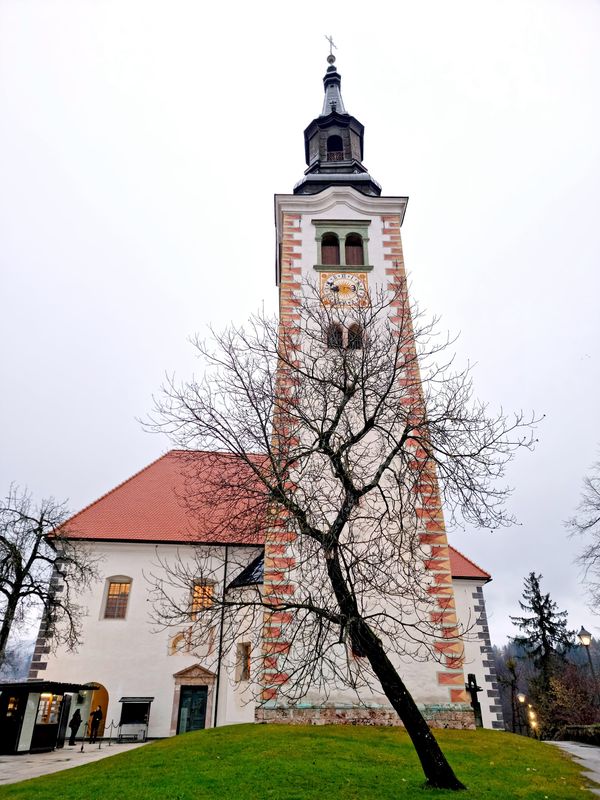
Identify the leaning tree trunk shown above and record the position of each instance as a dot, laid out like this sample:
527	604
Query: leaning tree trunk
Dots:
7	622
438	772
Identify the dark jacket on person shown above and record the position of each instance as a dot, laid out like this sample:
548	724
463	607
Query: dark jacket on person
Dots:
75	722
95	717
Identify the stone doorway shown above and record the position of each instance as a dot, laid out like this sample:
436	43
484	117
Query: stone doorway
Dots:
194	694
192	709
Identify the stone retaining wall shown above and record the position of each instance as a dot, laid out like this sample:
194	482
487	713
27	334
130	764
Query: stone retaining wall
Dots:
437	716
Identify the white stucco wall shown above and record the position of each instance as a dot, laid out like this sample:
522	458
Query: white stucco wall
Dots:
130	656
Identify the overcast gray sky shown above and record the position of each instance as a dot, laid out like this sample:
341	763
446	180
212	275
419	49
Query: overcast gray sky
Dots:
141	144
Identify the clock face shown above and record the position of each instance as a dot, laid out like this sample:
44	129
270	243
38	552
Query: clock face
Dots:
344	288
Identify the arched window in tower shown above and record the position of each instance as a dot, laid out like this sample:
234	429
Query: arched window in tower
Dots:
354	250
355	337
335	335
330	249
335	148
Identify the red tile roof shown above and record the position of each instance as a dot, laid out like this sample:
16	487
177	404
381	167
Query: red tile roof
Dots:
463	567
156	505
161	504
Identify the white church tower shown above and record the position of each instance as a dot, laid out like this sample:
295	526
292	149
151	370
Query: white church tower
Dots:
336	232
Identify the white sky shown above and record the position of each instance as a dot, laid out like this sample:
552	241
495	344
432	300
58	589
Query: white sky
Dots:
141	144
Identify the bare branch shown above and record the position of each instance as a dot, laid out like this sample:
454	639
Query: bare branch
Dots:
42	569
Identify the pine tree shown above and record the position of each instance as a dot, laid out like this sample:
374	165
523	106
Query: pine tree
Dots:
545	637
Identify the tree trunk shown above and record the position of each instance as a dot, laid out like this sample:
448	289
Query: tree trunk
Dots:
9	617
438	771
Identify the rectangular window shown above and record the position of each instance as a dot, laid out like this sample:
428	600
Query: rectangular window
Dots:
243	661
48	708
12	706
116	600
202	597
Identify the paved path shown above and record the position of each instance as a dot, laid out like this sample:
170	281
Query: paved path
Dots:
31	765
588	755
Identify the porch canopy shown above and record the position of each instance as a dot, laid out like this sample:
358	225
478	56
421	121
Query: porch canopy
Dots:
53	687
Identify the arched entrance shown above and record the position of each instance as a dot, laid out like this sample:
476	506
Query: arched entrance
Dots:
99	698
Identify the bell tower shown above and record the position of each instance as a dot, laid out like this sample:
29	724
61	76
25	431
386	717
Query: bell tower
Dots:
339	235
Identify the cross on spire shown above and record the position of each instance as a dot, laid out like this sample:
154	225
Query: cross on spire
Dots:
331	44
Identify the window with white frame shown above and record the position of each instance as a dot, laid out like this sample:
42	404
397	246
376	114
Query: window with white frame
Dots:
117	597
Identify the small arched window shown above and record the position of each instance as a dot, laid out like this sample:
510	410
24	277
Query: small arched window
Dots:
117	597
354	250
335	148
335	335
355	337
179	643
330	249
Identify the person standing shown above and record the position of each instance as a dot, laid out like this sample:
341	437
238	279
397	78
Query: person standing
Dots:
95	719
74	725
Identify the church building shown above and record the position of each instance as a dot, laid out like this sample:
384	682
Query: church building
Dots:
337	233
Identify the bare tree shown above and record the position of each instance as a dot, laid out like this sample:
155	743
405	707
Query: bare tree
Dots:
345	433
17	657
587	523
42	570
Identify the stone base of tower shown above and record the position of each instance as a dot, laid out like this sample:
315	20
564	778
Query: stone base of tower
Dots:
449	715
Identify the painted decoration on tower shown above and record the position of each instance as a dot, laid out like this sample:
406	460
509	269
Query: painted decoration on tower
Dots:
344	288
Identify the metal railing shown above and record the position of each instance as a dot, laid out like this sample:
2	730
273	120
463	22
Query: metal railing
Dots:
335	155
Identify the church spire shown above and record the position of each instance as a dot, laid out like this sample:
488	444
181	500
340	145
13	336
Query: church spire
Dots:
333	87
333	143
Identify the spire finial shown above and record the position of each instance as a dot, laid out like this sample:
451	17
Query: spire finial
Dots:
331	57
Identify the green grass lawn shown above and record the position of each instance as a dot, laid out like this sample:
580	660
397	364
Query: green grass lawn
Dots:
269	762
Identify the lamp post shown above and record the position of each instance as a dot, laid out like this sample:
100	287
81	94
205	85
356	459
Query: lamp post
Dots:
521	697
527	716
585	637
533	723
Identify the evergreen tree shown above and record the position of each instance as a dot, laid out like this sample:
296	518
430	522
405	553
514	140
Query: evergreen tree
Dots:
544	634
545	639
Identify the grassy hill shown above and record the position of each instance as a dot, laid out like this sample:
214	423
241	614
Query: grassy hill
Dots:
268	762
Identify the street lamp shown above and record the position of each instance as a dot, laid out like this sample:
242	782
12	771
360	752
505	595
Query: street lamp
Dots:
532	720
585	637
524	722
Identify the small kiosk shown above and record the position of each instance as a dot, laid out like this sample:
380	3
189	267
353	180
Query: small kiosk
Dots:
34	714
135	714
